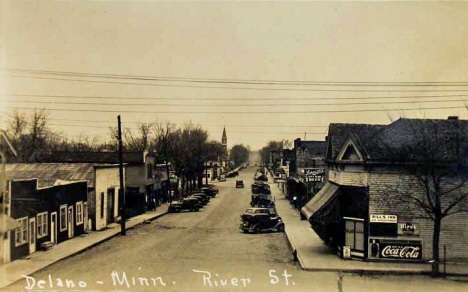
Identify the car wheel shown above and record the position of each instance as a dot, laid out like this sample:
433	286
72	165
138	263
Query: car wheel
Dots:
256	229
280	228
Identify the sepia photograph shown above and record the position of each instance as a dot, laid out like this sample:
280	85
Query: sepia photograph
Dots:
250	146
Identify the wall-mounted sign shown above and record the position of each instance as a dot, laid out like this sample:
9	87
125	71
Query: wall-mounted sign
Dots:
314	174
313	171
380	218
395	249
408	229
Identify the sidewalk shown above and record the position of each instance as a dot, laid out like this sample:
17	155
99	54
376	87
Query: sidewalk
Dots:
12	272
314	255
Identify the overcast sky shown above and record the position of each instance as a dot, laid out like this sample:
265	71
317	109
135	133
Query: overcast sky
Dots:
226	49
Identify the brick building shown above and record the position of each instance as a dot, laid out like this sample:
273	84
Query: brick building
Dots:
383	185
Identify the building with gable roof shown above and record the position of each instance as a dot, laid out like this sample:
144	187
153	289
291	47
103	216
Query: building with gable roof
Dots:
375	200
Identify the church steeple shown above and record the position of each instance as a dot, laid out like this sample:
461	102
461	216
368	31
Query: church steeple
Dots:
224	138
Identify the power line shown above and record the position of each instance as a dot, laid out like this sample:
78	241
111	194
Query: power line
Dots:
208	125
229	105
238	112
201	124
227	87
236	99
234	132
238	81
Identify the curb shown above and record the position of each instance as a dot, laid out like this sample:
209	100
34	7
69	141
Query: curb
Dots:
360	271
295	252
84	249
297	255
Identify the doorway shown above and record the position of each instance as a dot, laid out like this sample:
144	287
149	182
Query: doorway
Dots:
354	236
32	235
85	220
110	205
53	227
71	229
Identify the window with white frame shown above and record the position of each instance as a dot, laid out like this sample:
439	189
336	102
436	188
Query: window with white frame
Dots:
42	224
21	233
79	213
63	217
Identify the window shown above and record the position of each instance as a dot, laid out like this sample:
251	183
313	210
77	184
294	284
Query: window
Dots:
63	217
21	233
79	213
102	205
42	225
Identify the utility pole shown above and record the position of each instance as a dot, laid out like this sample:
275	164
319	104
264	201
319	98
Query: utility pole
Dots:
122	187
206	172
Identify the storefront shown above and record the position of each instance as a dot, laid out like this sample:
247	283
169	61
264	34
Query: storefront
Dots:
338	215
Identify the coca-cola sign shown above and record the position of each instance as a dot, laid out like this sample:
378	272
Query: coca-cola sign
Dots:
395	249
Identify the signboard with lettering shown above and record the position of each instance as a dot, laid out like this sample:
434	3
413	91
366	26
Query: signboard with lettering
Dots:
380	218
408	229
395	249
314	174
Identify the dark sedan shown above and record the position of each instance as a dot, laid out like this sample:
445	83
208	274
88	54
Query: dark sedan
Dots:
190	204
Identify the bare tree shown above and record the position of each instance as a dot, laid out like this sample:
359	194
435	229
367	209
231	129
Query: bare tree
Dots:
165	138
273	146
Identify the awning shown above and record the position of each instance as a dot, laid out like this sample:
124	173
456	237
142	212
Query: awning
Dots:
324	196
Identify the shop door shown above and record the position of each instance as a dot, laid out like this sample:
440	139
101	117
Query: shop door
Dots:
53	228
85	210
110	205
71	222
32	235
354	236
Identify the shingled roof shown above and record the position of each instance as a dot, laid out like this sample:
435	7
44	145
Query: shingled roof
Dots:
338	134
421	139
314	148
405	140
48	173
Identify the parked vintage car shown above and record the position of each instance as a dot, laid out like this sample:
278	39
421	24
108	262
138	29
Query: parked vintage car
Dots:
239	184
260	219
260	188
203	198
262	201
210	190
262	177
191	204
230	174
